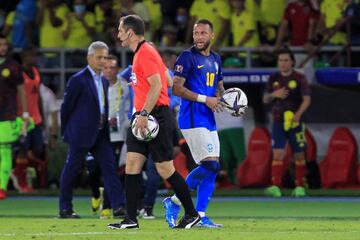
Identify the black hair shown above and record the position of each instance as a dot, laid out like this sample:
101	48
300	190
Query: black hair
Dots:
113	57
135	23
205	21
285	50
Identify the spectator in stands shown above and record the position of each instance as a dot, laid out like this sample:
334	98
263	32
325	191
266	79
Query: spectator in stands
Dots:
289	93
154	8
298	25
80	27
270	16
181	20
169	36
22	24
2	19
7	26
51	19
217	12
105	18
31	151
243	29
352	12
331	18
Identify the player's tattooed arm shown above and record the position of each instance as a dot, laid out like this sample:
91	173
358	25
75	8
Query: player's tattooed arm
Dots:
220	89
180	90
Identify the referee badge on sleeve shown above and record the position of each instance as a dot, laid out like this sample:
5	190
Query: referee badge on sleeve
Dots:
133	78
179	68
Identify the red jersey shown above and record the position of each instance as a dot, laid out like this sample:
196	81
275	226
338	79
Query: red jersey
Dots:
299	15
32	93
10	78
297	86
147	62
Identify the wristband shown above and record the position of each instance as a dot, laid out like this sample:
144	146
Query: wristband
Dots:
25	115
201	98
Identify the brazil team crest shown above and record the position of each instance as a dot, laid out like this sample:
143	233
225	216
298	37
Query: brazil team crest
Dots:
216	67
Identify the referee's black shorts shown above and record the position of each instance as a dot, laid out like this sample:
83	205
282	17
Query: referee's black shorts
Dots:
161	147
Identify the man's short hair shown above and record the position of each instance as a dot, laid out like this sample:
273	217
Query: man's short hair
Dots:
205	21
113	57
285	50
96	45
135	23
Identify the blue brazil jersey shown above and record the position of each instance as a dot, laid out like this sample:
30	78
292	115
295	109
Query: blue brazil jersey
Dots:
202	74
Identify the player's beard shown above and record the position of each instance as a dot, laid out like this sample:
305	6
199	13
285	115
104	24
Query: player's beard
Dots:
205	47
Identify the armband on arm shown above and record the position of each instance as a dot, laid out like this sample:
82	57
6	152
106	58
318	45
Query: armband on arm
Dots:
201	98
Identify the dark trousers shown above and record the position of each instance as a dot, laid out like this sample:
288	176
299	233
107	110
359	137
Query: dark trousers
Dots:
101	151
95	174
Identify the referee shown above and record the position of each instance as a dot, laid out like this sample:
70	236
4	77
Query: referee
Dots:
150	81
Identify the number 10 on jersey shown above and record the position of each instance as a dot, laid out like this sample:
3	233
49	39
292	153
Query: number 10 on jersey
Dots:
210	77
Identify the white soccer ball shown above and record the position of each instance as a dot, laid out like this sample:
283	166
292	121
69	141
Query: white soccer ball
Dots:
152	129
234	101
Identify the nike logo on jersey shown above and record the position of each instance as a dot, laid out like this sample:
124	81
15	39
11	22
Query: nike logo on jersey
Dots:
199	66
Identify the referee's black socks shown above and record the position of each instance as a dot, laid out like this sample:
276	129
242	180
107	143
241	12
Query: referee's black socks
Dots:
133	190
182	193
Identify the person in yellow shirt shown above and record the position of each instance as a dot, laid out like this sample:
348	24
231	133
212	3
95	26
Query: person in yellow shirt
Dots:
80	27
155	15
331	16
270	15
243	27
6	30
105	19
50	18
217	12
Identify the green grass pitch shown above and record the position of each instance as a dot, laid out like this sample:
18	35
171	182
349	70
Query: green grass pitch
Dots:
249	218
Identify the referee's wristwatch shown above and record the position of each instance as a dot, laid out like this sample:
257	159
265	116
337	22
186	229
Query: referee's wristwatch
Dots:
144	113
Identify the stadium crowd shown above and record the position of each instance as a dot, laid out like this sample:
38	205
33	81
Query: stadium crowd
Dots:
237	23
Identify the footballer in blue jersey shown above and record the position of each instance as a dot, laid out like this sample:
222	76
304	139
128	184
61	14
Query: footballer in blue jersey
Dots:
202	74
198	81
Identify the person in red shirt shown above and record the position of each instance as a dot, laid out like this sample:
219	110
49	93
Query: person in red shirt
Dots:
32	150
299	22
150	81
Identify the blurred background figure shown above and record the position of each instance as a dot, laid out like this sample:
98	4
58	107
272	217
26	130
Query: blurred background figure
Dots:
31	152
217	12
11	127
78	32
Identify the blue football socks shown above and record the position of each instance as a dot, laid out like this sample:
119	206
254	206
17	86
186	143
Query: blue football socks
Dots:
203	178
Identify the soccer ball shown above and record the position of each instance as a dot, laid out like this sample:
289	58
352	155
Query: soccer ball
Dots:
152	129
234	101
